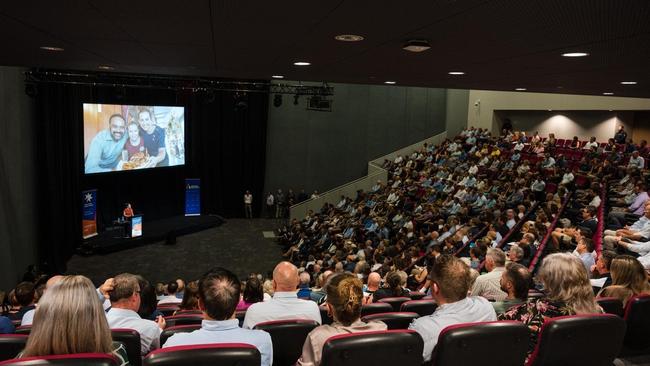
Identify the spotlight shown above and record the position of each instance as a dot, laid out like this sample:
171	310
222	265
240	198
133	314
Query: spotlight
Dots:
295	99
277	100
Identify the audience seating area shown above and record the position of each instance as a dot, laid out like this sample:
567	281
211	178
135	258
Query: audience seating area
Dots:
474	197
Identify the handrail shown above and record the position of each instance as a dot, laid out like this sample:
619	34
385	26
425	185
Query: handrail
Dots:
542	245
598	235
473	238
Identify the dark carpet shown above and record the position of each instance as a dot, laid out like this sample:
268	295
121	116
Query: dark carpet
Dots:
237	245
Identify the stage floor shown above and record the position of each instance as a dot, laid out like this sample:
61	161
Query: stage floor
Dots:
238	245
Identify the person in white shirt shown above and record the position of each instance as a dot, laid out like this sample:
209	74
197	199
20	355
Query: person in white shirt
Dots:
636	161
488	285
218	298
519	146
591	144
125	302
567	178
28	317
170	298
285	303
450	279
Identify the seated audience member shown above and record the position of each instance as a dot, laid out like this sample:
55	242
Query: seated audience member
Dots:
25	293
394	287
564	237
304	290
639	231
374	280
125	303
318	294
628	279
253	293
218	297
515	254
489	285
28	318
567	292
344	301
585	251
148	304
450	278
190	297
181	288
170	298
285	303
515	281
6	325
618	218
600	272
70	319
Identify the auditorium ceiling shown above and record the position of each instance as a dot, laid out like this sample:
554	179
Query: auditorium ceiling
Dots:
498	44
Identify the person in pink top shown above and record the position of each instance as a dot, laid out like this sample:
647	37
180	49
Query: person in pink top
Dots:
253	292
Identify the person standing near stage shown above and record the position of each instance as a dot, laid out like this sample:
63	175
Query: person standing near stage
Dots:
154	139
248	205
279	204
270	203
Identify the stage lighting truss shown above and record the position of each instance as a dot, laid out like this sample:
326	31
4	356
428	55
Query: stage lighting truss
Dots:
195	85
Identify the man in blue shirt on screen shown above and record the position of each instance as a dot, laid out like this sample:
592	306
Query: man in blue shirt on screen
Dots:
154	139
106	147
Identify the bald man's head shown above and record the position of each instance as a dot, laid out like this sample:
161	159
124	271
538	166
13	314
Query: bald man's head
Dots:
53	281
285	277
374	279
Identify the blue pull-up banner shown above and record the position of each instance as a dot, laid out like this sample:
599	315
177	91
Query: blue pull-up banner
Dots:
192	197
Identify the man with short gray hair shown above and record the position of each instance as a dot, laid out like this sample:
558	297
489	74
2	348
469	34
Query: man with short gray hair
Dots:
488	285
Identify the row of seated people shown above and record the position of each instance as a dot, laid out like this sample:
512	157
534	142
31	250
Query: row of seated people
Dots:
69	317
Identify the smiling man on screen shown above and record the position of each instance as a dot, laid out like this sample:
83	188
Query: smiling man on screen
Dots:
154	139
106	146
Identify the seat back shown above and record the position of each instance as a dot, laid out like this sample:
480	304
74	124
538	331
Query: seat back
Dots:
415	295
288	337
170	331
391	347
168	310
191	319
24	329
375	308
562	340
394	320
325	317
637	317
395	302
11	345
222	354
189	312
240	315
506	343
422	307
131	340
79	359
611	305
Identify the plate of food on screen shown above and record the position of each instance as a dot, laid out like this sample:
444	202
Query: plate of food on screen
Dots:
139	160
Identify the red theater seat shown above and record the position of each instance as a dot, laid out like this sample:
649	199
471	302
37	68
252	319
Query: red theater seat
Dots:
392	347
79	359
490	343
223	354
422	307
395	302
11	345
288	337
394	320
170	331
637	317
375	308
183	320
611	305
131	340
579	340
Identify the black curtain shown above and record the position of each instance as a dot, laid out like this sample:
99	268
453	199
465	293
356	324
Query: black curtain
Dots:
225	144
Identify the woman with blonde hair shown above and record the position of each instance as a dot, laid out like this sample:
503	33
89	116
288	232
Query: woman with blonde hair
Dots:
70	319
567	292
628	279
344	297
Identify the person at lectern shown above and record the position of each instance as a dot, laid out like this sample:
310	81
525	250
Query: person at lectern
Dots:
106	147
128	212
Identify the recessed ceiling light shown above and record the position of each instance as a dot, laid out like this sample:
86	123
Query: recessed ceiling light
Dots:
416	45
575	54
520	89
52	48
389	82
348	38
456	73
105	67
628	82
608	93
302	63
277	76
550	110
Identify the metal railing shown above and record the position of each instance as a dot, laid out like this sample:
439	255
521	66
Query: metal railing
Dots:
375	172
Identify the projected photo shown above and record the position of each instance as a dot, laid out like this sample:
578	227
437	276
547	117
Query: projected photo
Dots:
130	137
